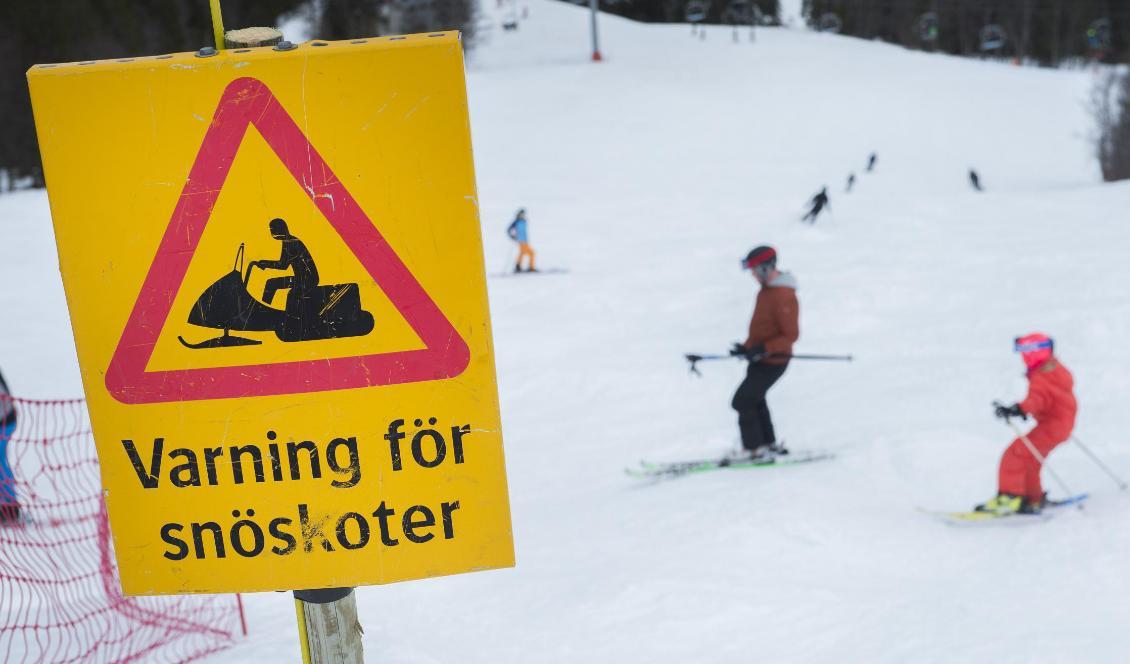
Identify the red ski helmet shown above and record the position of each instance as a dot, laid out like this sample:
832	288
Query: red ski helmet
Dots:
1035	348
762	260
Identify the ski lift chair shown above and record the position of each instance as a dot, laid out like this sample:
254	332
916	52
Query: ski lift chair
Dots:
830	22
737	12
993	37
928	29
1099	35
696	11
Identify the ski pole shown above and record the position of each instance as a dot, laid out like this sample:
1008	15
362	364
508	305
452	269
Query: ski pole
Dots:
694	359
1117	480
1040	457
833	358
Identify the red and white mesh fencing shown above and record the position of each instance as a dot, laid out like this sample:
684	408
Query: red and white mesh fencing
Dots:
60	598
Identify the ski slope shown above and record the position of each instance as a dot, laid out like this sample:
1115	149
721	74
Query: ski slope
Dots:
650	176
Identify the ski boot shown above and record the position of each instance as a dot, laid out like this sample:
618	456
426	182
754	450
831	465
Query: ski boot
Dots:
763	454
1003	504
778	448
1034	506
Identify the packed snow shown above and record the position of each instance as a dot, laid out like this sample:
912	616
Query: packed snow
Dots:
649	176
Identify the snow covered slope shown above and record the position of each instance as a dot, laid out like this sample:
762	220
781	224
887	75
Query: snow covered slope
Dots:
649	176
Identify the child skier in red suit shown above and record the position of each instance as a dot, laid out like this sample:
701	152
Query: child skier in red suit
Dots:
1051	402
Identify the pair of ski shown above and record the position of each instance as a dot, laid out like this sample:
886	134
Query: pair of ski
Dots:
671	470
975	518
527	273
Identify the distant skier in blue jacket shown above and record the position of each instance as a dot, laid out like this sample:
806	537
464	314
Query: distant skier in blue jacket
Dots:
9	502
519	232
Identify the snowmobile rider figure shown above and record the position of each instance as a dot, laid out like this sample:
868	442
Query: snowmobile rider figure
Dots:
519	232
773	330
1051	402
295	257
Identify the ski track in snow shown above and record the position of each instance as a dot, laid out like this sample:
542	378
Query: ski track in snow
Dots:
650	176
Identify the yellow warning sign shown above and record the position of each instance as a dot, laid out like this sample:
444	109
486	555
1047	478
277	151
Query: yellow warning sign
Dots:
274	270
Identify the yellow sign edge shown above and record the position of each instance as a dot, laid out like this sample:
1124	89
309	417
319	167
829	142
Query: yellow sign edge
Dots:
230	56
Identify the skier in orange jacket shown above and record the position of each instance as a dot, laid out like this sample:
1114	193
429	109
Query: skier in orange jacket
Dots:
773	330
1051	402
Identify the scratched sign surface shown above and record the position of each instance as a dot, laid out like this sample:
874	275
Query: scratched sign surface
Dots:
274	270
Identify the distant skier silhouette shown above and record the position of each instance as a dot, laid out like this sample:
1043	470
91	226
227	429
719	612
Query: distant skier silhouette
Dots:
975	180
850	181
818	203
871	161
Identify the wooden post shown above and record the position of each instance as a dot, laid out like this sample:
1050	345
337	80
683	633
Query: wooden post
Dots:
250	37
328	629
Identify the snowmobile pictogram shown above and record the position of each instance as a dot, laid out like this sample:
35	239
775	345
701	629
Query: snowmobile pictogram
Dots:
311	311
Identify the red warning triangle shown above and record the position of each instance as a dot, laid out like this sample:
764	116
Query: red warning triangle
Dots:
248	101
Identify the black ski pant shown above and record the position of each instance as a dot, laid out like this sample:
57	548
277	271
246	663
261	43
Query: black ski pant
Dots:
754	422
813	213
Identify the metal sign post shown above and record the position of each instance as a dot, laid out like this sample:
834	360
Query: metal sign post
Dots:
596	57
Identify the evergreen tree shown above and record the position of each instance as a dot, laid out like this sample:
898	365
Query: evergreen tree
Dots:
354	19
346	19
1048	32
44	31
674	11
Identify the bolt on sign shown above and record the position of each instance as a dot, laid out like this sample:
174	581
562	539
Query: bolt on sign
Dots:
274	270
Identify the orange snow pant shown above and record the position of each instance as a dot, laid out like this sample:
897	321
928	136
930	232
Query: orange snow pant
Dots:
524	249
1020	471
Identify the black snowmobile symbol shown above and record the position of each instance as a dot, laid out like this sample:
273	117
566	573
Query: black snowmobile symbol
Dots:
311	311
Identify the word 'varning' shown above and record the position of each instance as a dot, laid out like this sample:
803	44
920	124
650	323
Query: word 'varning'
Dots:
274	461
